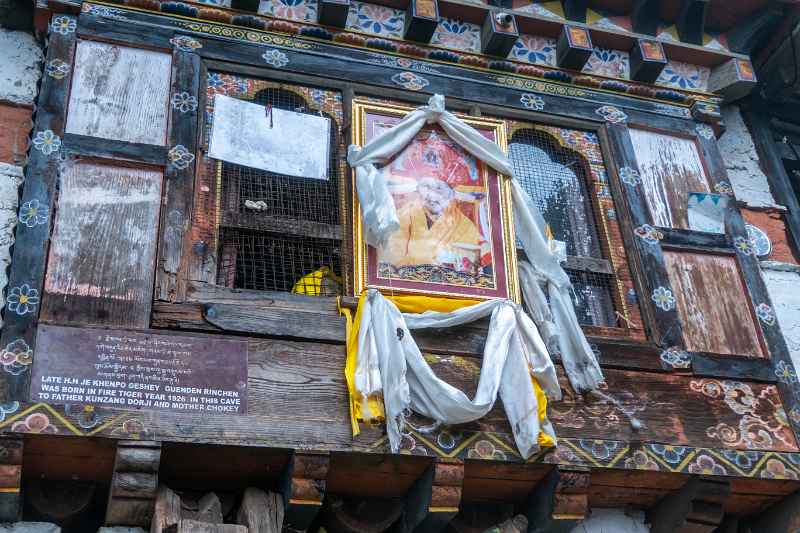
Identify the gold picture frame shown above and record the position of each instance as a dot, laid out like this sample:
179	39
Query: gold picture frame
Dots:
497	208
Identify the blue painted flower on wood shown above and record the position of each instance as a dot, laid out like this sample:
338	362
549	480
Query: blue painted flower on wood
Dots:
532	101
47	142
785	372
706	465
676	358
410	80
33	213
16	357
600	449
611	114
375	19
705	131
723	187
181	157
63	25
765	314
457	34
663	298
630	176
744	246
742	459
649	234
57	69
8	408
184	102
23	299
276	58
533	49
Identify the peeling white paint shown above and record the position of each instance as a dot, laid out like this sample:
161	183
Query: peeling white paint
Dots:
20	67
613	521
749	182
782	287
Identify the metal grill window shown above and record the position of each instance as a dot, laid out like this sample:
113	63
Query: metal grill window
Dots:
558	182
278	232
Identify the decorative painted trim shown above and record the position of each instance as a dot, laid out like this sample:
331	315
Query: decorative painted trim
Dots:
676	357
16	357
63	25
663	299
185	44
648	234
33	213
275	58
765	314
57	69
744	246
705	131
180	157
184	102
410	81
630	176
47	142
785	373
723	187
532	101
611	114
22	299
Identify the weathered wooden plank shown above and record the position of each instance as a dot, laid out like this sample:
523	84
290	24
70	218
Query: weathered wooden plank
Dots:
119	93
103	29
712	302
102	253
684	238
744	368
105	148
670	168
276	319
30	248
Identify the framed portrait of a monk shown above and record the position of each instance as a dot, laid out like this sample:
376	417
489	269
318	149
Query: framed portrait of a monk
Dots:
456	233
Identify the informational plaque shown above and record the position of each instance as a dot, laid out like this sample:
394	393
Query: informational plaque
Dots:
134	370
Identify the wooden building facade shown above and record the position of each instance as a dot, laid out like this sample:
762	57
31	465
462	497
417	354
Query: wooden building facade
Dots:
138	254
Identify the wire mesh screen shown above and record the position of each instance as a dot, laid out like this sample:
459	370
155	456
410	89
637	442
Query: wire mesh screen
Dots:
558	182
279	232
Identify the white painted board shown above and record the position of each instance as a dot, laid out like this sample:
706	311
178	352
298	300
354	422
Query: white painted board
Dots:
294	144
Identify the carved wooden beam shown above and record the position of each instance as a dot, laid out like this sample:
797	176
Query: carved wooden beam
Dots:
648	59
574	48
752	30
333	12
499	33
694	508
733	79
10	479
422	18
560	501
575	9
710	114
433	500
133	486
303	488
691	21
645	17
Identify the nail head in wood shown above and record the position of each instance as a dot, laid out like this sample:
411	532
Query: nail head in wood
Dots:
574	48
499	33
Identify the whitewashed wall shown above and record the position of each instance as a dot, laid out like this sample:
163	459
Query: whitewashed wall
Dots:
613	521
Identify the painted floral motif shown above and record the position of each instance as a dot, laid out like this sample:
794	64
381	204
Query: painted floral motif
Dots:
485	449
663	299
684	76
299	10
672	455
744	246
184	102
765	314
16	357
776	469
63	25
649	234
706	465
276	58
446	440
85	415
532	101
8	408
22	300
226	84
640	461
611	63
57	69
741	459
785	372
47	142
459	35
612	114
723	187
33	213
600	449
376	19
534	49
705	131
676	358
602	413
180	156
410	81
34	423
630	176
186	44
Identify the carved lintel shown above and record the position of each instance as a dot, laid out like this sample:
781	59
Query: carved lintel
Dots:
132	494
10	478
303	488
560	501
574	47
691	21
694	508
433	500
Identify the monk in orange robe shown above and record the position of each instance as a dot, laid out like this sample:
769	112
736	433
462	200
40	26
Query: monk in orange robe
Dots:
434	231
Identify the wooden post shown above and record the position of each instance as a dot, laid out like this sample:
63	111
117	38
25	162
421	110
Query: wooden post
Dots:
560	501
694	508
645	17
422	18
575	9
133	485
691	21
574	48
10	479
647	60
433	500
303	488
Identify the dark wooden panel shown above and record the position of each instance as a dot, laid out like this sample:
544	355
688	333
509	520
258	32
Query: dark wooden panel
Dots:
30	248
695	239
109	30
102	253
94	146
705	364
713	305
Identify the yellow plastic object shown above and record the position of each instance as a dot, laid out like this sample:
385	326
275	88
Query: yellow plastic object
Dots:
311	284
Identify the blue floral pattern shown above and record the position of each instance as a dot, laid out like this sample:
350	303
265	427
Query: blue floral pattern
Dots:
23	299
532	101
684	76
785	373
676	358
410	81
275	57
180	157
649	234
600	449
375	19
33	213
57	69
458	35
765	314
663	299
299	10
670	454
607	62
534	49
47	142
611	114
630	176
